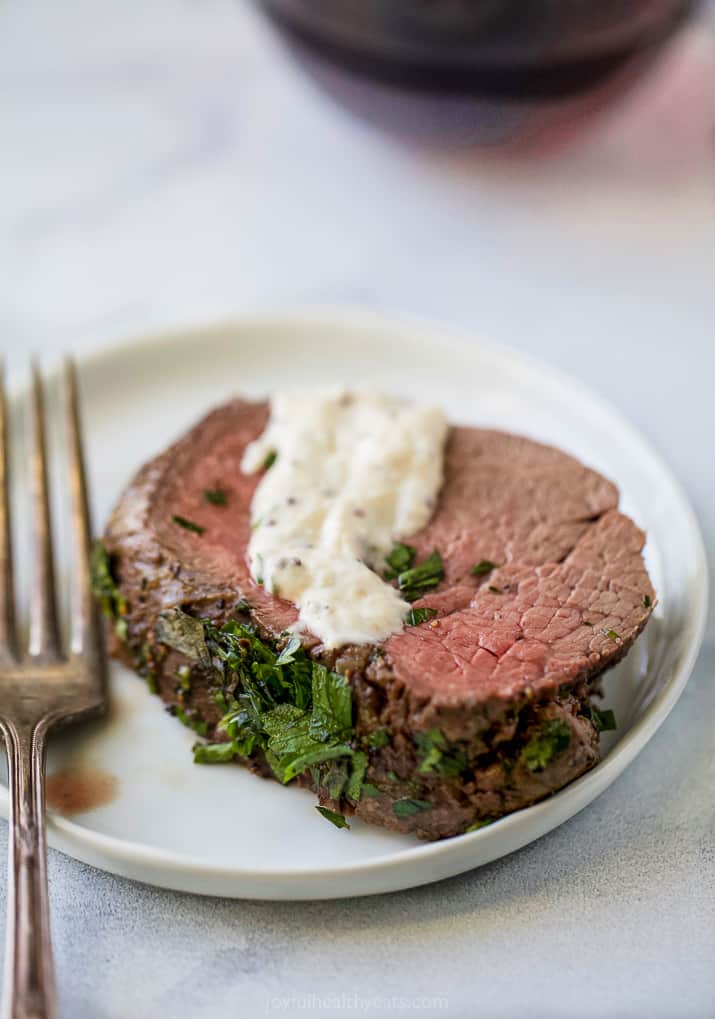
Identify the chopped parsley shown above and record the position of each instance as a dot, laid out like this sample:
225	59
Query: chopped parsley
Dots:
495	590
188	525
476	825
552	739
291	747
414	582
270	460
343	777
356	781
288	654
586	622
334	779
190	720
400	559
408	808
183	633
438	756
338	820
331	717
604	721
216	496
419	615
295	710
104	584
483	567
378	738
368	789
647	601
214	753
611	634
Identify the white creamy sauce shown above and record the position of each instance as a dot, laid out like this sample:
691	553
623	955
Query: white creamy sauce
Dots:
353	473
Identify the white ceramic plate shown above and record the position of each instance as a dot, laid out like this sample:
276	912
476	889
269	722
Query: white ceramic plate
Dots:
222	831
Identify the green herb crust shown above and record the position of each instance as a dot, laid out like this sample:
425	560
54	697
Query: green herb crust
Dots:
552	739
216	496
406	807
287	715
438	757
106	589
277	702
267	703
603	721
413	581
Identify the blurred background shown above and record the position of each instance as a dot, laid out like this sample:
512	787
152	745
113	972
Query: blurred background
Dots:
540	172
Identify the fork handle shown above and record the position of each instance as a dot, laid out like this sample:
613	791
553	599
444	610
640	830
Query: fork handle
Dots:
29	991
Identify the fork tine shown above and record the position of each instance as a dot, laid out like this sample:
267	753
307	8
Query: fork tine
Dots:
44	627
86	626
8	633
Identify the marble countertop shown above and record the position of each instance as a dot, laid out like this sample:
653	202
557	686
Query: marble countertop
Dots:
170	163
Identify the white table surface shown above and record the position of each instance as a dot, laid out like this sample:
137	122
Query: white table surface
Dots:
168	163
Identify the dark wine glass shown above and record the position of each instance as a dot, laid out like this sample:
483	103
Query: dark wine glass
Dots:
472	68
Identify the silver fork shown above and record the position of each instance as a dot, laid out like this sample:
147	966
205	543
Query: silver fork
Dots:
40	688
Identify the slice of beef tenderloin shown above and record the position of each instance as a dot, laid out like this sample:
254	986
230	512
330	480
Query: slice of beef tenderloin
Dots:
509	653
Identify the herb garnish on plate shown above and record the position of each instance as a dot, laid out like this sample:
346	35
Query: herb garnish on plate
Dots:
188	525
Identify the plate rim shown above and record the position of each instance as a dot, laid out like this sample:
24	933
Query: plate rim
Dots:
73	838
